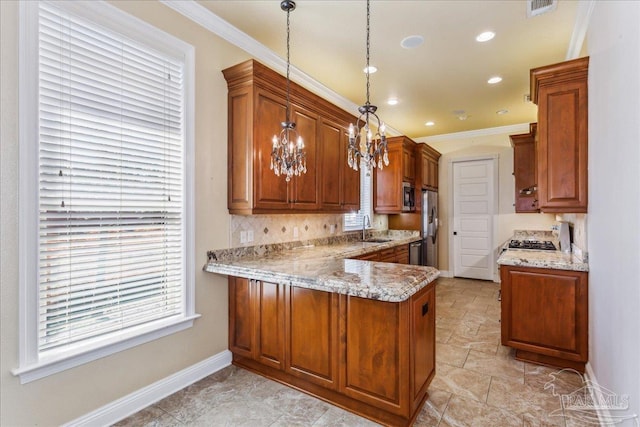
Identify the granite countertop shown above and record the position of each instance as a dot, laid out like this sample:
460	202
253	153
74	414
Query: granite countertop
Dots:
556	260
326	267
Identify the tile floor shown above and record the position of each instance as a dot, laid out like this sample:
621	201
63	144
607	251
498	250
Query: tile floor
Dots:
477	383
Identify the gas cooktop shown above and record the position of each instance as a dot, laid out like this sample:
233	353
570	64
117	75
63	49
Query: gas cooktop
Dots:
544	245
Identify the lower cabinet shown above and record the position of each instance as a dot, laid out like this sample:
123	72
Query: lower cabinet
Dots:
371	357
397	254
545	315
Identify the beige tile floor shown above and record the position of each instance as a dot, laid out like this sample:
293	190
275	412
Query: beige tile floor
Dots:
478	382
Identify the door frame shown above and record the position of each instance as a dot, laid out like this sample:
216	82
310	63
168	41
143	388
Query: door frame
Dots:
496	204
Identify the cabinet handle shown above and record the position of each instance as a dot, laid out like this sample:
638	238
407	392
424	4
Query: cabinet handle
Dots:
425	308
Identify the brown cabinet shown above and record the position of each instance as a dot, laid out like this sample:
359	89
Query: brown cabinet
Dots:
408	161
560	90
388	182
545	315
372	357
312	336
260	334
427	165
338	189
524	170
256	107
397	254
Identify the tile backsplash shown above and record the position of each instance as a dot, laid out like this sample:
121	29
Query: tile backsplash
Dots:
268	229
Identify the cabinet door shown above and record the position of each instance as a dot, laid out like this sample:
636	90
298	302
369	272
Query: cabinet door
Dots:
312	336
562	147
329	163
305	186
270	191
545	311
269	347
241	317
388	255
378	379
351	178
433	174
423	326
426	165
402	254
524	155
408	163
387	183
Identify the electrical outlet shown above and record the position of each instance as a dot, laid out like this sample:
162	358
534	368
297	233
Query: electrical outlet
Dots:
295	232
243	237
332	228
249	236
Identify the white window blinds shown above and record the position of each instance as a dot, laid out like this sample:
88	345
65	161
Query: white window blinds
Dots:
354	220
111	182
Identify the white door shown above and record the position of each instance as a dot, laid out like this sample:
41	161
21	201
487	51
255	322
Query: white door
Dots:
473	211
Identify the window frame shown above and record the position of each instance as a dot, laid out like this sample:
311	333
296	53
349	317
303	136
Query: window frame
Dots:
360	214
32	365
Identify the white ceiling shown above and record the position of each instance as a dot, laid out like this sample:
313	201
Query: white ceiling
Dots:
447	73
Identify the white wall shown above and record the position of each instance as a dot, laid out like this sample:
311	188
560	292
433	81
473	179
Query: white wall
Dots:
613	222
462	145
67	395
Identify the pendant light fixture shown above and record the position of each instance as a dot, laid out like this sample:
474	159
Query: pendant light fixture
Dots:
287	156
364	145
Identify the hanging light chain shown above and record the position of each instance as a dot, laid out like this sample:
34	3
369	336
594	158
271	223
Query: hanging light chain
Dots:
368	71
363	144
287	155
288	63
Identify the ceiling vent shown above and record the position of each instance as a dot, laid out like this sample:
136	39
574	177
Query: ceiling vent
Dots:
538	7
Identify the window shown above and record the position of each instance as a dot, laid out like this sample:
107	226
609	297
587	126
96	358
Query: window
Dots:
353	221
106	161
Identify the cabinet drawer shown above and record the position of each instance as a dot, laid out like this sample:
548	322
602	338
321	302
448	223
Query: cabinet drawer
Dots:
402	254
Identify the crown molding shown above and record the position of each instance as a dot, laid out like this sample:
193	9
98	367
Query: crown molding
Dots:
218	26
583	17
501	130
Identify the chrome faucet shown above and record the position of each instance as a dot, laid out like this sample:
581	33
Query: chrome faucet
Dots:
365	223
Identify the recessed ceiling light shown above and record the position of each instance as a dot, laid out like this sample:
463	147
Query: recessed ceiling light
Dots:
494	80
392	101
372	69
501	112
429	123
485	37
411	42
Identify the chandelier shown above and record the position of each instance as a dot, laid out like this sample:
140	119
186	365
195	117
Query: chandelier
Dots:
364	144
287	155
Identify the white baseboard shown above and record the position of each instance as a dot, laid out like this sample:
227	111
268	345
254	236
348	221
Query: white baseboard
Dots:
603	413
445	273
138	400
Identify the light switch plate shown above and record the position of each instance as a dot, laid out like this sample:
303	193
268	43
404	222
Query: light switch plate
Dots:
295	232
243	237
249	236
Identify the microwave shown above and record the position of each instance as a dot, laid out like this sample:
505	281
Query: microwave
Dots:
408	197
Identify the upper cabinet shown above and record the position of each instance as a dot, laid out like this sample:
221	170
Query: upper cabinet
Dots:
524	170
388	192
560	91
256	107
427	165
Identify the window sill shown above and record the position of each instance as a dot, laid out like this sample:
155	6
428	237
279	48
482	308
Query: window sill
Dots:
61	361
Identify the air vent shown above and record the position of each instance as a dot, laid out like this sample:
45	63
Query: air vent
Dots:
538	7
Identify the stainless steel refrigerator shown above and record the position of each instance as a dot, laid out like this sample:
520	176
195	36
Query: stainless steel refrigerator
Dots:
430	228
